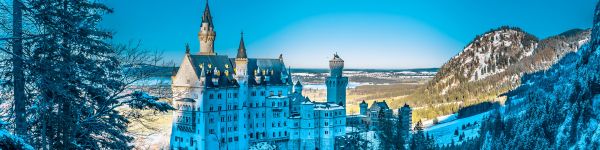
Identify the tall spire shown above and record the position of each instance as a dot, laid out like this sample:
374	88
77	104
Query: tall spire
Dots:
206	17
242	49
187	48
207	34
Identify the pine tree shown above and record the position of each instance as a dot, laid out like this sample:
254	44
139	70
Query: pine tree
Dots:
79	80
419	141
17	70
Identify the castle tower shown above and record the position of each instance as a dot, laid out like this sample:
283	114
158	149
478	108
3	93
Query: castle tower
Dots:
241	75
363	108
241	61
336	83
207	34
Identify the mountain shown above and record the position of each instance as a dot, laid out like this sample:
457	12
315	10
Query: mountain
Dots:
494	62
552	108
555	108
489	54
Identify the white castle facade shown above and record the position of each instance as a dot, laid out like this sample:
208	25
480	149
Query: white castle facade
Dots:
233	103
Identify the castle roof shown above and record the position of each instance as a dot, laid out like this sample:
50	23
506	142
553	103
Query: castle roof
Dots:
242	48
376	106
363	102
220	68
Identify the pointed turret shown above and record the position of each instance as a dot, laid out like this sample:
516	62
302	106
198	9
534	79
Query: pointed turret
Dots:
207	34
298	87
241	62
242	48
206	17
187	48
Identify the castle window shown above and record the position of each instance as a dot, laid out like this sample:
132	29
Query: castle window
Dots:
273	104
219	96
235	138
326	123
192	141
219	108
284	104
211	96
235	95
285	133
211	108
279	133
279	93
211	131
326	132
271	93
211	120
273	134
253	93
251	135
262	93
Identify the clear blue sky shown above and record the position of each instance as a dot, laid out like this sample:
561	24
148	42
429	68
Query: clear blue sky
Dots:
365	33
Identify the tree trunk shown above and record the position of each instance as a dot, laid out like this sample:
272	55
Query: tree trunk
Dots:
17	69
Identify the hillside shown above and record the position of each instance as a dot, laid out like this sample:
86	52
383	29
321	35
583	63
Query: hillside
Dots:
559	108
490	65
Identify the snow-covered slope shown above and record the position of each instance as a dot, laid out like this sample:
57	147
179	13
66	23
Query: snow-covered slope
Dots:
494	62
558	107
488	54
444	132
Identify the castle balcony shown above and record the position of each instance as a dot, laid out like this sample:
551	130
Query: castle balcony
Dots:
186	127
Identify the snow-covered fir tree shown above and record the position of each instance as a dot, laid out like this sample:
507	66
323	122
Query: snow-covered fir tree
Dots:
76	81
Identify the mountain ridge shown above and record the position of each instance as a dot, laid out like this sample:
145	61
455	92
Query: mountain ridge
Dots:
492	64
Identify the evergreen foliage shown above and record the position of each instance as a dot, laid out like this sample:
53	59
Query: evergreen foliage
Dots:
76	81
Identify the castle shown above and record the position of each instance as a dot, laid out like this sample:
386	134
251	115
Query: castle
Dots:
233	103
